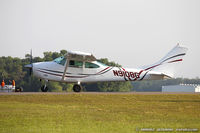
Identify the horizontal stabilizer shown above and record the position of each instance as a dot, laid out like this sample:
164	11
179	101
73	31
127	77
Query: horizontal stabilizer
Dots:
158	76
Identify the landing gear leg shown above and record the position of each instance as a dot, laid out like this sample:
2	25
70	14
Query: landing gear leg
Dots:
77	88
44	88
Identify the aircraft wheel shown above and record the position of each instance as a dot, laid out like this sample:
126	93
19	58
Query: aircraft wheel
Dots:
77	88
44	88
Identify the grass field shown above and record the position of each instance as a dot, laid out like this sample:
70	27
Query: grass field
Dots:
97	113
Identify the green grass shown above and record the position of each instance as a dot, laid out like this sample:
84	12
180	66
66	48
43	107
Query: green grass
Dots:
97	113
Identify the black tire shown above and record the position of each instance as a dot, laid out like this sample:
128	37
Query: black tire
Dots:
77	88
44	88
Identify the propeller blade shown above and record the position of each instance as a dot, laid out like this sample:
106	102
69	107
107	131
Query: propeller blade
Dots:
30	66
31	59
31	62
30	71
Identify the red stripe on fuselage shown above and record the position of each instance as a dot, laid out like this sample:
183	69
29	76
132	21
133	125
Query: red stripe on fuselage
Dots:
103	70
61	75
175	61
152	67
123	68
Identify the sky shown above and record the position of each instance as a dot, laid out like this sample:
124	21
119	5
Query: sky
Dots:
132	33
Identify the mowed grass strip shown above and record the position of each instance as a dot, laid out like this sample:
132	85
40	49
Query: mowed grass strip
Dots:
97	113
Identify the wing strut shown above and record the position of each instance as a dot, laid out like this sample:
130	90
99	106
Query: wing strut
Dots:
66	66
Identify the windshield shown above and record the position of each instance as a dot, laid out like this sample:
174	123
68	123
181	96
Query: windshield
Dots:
60	60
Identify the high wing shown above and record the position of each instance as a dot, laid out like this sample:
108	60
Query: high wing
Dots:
78	56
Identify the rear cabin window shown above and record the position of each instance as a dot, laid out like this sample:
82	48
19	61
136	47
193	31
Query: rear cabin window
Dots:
78	64
91	65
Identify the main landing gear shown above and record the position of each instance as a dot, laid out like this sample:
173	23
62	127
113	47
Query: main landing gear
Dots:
44	88
77	88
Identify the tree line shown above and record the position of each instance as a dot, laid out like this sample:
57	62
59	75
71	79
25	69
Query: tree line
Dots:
13	68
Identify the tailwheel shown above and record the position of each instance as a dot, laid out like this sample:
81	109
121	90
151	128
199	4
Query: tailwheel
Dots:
44	88
77	88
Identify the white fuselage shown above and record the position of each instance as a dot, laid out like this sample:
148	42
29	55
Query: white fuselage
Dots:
54	72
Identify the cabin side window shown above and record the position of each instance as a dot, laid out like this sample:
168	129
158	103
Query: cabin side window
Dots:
73	63
91	65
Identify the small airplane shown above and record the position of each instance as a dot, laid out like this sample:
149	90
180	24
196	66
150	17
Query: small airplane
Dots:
80	67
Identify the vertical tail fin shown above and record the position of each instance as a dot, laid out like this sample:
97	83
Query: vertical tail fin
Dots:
176	54
167	64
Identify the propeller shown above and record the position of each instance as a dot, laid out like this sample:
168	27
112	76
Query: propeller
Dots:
30	66
31	62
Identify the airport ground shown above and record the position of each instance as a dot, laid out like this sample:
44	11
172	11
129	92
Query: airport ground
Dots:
98	112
